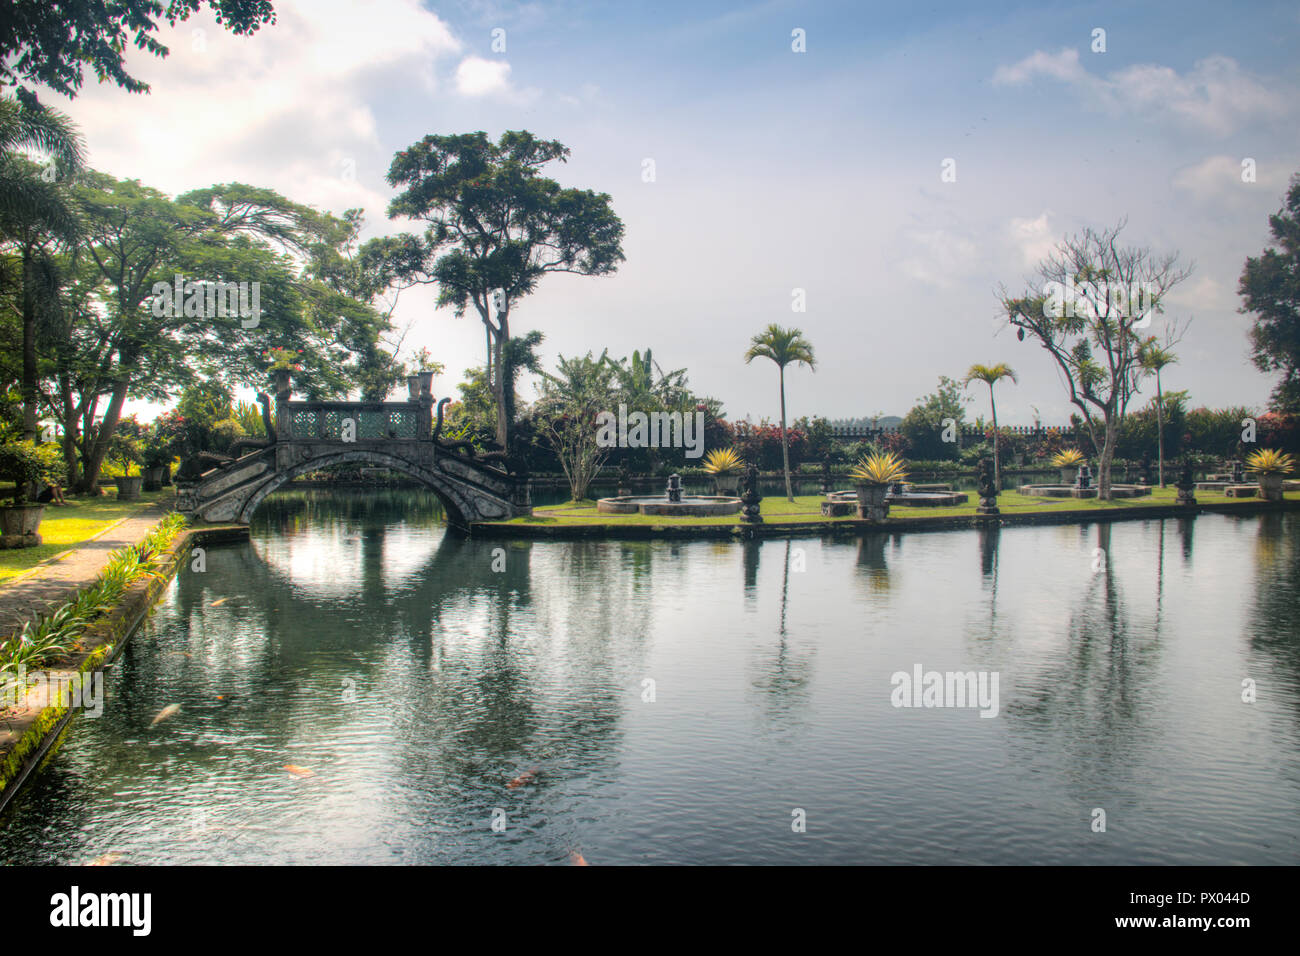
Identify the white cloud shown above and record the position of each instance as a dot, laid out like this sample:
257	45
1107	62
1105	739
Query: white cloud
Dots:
479	77
1063	65
291	107
1032	238
1219	177
1215	95
941	257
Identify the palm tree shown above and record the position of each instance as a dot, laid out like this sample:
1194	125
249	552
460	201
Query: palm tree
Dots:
1153	358
990	375
26	192
782	346
36	215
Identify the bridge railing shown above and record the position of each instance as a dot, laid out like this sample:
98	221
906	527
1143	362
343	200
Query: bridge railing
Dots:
355	421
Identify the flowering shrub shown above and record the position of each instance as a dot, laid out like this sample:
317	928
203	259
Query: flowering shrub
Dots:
761	444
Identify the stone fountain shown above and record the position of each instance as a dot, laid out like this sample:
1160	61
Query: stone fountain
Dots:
673	504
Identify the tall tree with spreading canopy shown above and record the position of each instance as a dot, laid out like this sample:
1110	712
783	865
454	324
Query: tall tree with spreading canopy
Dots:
1270	289
784	347
138	237
496	223
1093	334
990	375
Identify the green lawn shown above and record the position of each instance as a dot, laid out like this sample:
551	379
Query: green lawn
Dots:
807	508
67	526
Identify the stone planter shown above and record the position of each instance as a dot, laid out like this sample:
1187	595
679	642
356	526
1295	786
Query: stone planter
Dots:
18	524
1270	487
728	485
280	379
1068	475
871	502
153	478
128	489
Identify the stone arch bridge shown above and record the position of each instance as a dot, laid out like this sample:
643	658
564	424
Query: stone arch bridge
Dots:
307	436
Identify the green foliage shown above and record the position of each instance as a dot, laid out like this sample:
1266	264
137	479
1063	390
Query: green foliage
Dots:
32	196
782	346
225	432
923	426
571	401
24	462
818	436
475	412
1214	431
249	417
126	449
1270	288
201	407
1138	432
495	220
157	446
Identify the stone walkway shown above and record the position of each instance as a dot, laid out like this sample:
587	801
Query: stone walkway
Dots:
49	585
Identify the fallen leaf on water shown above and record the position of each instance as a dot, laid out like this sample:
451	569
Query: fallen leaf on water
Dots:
108	859
299	771
168	711
576	859
528	776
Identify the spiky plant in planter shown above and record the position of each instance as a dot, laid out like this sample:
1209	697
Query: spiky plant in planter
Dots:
1272	466
881	468
873	475
724	465
1068	460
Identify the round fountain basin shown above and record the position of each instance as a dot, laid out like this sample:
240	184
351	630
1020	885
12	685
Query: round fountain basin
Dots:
909	498
691	506
1072	491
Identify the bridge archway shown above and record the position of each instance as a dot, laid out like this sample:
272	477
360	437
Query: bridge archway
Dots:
452	499
469	491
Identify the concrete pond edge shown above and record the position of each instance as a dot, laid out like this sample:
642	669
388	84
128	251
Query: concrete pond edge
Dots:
851	527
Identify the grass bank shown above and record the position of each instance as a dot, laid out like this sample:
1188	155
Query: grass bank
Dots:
72	524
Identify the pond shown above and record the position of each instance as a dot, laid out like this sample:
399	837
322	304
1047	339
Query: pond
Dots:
357	684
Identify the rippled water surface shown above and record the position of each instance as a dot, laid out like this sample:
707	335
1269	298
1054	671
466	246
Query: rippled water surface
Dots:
682	703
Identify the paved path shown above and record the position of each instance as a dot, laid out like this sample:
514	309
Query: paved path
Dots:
51	584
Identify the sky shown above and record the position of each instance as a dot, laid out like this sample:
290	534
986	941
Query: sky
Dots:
774	169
